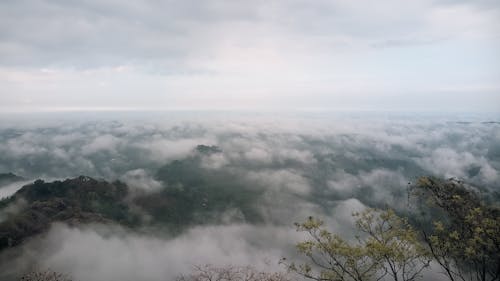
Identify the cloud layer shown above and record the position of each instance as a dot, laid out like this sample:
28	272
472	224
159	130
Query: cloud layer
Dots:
323	165
343	152
91	54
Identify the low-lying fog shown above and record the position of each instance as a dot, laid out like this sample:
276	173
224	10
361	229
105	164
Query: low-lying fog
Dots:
325	165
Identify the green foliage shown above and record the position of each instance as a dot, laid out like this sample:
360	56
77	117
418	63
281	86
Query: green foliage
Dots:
394	241
387	245
231	273
465	240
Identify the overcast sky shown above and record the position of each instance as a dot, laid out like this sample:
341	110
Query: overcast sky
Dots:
293	54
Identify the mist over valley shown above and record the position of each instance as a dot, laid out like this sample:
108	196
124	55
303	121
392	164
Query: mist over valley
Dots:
146	198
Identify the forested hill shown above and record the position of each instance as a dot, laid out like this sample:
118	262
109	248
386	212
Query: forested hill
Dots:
190	195
34	207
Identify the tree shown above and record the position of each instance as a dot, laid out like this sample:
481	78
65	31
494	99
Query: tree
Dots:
387	246
465	238
230	273
393	240
44	276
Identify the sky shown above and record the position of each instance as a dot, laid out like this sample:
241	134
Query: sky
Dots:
62	55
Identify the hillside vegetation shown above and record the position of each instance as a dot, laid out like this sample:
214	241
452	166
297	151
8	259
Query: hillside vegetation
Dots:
191	195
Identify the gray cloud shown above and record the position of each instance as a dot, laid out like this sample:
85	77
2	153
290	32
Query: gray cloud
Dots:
143	55
169	33
96	33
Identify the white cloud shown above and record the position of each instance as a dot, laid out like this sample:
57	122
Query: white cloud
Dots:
288	180
214	161
141	180
102	143
104	253
450	163
162	150
258	155
11	188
